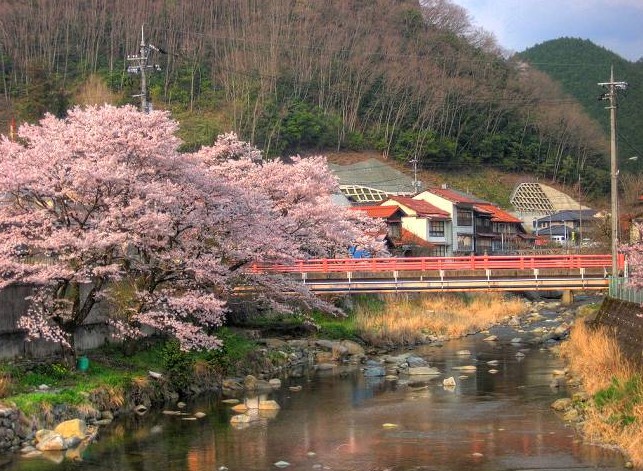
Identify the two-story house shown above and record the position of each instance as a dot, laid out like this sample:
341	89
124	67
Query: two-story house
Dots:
479	227
391	215
426	222
460	208
507	233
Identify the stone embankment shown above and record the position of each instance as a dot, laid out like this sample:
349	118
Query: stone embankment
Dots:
249	394
10	428
626	319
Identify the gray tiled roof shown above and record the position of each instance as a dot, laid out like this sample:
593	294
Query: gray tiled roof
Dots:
374	174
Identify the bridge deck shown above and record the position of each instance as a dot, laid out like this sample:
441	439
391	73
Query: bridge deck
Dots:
474	273
455	285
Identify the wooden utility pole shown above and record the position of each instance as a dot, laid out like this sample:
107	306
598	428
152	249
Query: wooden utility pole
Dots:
610	95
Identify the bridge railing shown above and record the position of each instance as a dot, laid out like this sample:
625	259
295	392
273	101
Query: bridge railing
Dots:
483	262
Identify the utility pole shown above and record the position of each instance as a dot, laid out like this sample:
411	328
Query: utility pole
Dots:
580	213
610	95
141	66
416	183
12	130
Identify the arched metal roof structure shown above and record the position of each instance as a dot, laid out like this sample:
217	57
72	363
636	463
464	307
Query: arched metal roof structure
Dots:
532	197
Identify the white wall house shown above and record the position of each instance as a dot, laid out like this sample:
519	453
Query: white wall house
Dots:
460	210
427	222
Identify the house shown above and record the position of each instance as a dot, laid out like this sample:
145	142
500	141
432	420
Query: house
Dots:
459	207
391	215
399	241
427	223
566	227
479	227
504	230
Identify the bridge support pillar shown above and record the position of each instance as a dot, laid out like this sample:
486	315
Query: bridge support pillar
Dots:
568	297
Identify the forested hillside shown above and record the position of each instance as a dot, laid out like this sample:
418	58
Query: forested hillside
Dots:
579	65
406	78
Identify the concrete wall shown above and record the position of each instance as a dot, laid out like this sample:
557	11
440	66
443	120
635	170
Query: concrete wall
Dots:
13	305
626	319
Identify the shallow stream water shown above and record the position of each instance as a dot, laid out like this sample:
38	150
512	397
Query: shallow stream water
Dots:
341	420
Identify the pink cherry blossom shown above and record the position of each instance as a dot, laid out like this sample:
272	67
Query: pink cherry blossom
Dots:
104	201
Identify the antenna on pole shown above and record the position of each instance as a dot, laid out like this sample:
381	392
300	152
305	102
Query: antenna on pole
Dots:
140	66
610	95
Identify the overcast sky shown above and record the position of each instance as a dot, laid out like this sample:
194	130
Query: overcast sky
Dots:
616	25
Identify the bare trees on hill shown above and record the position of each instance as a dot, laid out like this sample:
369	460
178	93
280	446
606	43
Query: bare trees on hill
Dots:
413	78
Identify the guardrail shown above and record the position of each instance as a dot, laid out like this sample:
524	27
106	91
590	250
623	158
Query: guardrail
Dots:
397	264
619	288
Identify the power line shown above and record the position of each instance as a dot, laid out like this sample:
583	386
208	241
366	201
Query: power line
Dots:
493	60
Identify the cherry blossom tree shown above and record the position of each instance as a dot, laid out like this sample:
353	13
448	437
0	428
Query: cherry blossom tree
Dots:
634	257
305	221
101	206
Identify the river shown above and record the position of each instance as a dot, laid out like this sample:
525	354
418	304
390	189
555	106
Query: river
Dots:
341	420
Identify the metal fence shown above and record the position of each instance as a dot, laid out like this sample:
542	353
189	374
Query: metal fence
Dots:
620	289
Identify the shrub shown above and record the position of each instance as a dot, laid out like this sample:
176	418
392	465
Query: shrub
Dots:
177	364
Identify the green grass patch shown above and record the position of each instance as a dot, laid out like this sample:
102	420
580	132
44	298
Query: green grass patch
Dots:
336	328
372	303
35	402
621	397
630	391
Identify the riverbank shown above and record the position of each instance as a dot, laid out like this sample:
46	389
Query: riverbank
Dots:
137	377
273	358
607	402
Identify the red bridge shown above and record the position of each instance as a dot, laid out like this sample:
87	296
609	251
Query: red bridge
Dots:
472	273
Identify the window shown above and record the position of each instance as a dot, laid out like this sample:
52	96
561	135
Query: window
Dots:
483	245
436	228
394	231
465	218
439	251
483	224
465	242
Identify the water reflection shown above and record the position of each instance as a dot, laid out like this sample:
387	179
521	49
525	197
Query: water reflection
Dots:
346	421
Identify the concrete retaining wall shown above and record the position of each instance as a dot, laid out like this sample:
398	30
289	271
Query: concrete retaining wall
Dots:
13	305
626	319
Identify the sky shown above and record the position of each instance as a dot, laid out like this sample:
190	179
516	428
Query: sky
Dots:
616	25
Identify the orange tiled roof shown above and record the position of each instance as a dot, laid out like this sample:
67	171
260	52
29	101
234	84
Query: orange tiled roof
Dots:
497	214
377	211
408	238
422	208
453	196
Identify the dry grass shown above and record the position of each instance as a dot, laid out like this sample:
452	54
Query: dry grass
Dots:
408	320
95	92
5	386
615	415
114	398
203	372
594	355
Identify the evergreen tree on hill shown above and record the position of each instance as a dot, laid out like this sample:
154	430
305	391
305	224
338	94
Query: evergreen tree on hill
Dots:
579	65
408	79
